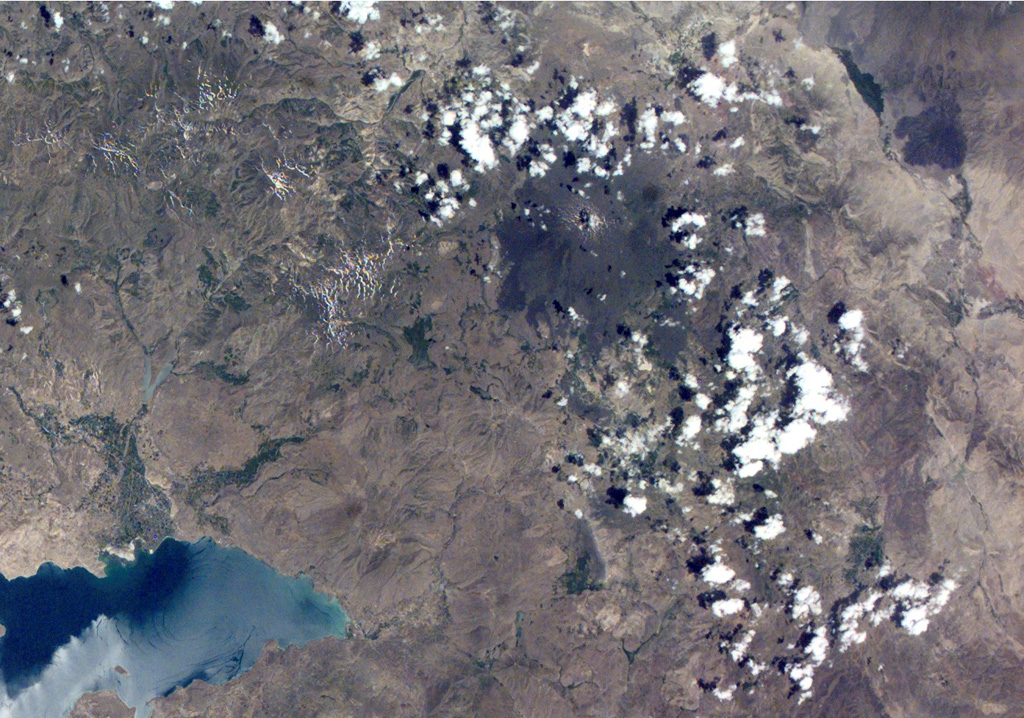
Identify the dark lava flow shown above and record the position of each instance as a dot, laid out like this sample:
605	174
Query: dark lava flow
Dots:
934	137
596	253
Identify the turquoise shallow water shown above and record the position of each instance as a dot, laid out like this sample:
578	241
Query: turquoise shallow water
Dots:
187	611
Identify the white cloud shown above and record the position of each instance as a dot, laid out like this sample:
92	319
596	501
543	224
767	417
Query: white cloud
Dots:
851	324
584	104
816	398
691	218
371	51
757	447
740	648
817	649
649	125
709	88
727	607
849	621
806	602
754	225
740	585
359	10
479	147
851	320
724	694
383	83
745	343
770	529
691	427
694	279
724	493
519	132
915	620
794	436
919	602
717	573
727	50
803	675
712	89
779	285
271	34
674	118
634	505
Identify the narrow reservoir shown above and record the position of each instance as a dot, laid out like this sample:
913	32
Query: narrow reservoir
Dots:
185	612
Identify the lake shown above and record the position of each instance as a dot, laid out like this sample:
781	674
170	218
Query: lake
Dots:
185	612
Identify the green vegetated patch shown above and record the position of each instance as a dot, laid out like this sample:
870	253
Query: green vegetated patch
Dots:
47	299
956	307
401	90
212	274
234	301
685	72
339	147
223	372
581	577
205	484
406	426
865	83
202	201
142	511
962	200
482	393
47	421
416	336
208	273
867	550
106	430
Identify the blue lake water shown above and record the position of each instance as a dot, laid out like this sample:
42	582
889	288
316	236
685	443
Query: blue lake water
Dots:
185	612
